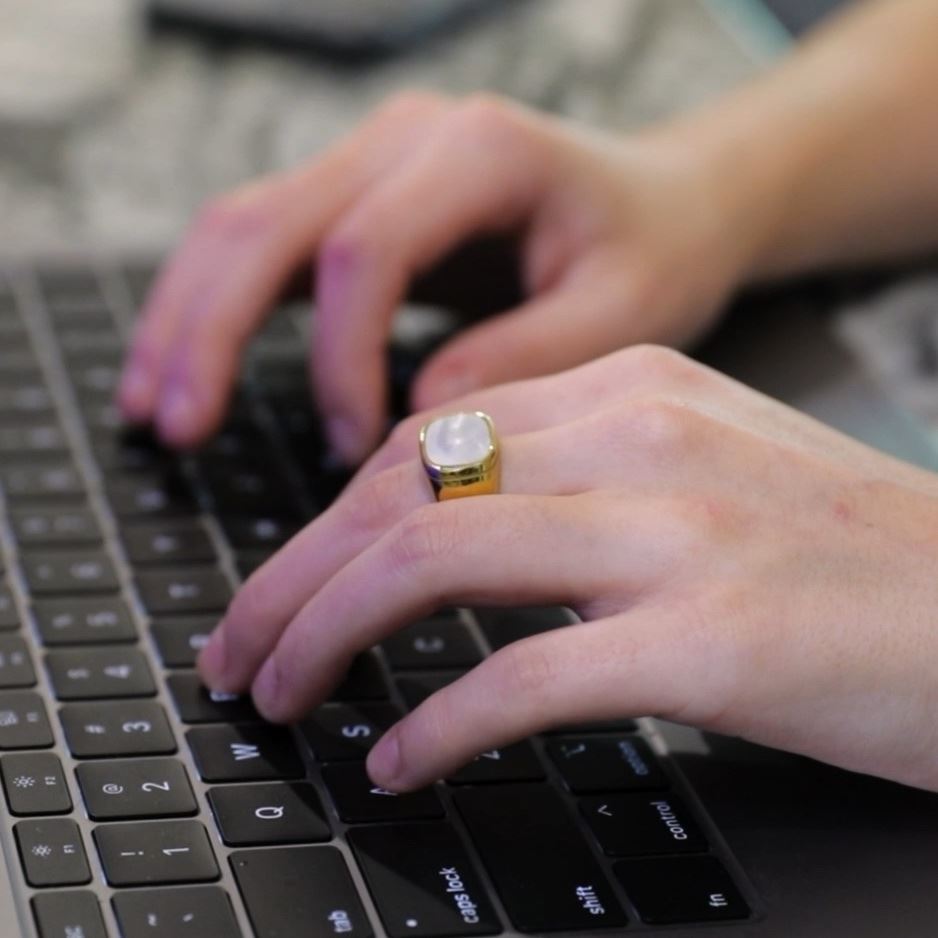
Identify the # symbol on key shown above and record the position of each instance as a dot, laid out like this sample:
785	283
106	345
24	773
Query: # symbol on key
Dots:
42	850
95	729
24	781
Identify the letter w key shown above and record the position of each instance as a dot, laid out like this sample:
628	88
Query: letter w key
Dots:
244	752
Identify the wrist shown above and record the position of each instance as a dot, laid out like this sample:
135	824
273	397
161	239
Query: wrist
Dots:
755	175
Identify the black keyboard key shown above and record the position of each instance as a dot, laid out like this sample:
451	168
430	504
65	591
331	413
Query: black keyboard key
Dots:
37	440
127	728
299	892
502	626
49	481
99	673
359	801
245	490
244	752
196	704
23	721
639	825
52	852
259	533
422	881
596	763
433	643
27	401
151	495
101	416
34	783
179	641
337	732
517	763
416	688
73	573
16	668
620	725
140	278
681	889
88	337
182	540
196	911
276	813
135	788
153	852
364	680
84	621
96	379
9	617
55	527
542	868
65	287
237	442
248	561
171	592
130	451
71	914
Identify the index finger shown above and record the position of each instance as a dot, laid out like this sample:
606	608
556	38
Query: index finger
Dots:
220	284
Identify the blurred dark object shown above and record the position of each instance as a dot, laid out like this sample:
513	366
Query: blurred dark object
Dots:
356	29
798	16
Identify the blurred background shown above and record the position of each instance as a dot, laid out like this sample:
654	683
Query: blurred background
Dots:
118	117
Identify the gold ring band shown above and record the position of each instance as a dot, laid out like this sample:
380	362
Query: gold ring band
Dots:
460	454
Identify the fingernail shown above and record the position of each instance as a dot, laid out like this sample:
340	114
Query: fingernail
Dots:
177	412
345	439
212	661
266	689
134	390
384	761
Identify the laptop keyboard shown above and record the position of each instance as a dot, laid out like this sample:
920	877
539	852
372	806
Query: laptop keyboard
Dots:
141	805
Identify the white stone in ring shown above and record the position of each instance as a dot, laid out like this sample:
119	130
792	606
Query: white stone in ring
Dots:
457	440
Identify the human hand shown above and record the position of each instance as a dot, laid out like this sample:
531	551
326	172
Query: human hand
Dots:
738	567
623	240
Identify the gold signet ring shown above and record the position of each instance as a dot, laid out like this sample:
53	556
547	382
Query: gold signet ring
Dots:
460	455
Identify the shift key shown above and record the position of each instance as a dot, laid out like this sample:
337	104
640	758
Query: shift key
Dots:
542	868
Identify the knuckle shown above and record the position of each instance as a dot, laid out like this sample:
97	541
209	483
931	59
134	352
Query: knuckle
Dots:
401	438
661	429
232	216
486	117
692	523
374	503
525	672
658	365
423	536
352	245
409	103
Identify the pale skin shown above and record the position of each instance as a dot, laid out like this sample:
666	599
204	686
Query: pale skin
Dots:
737	565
